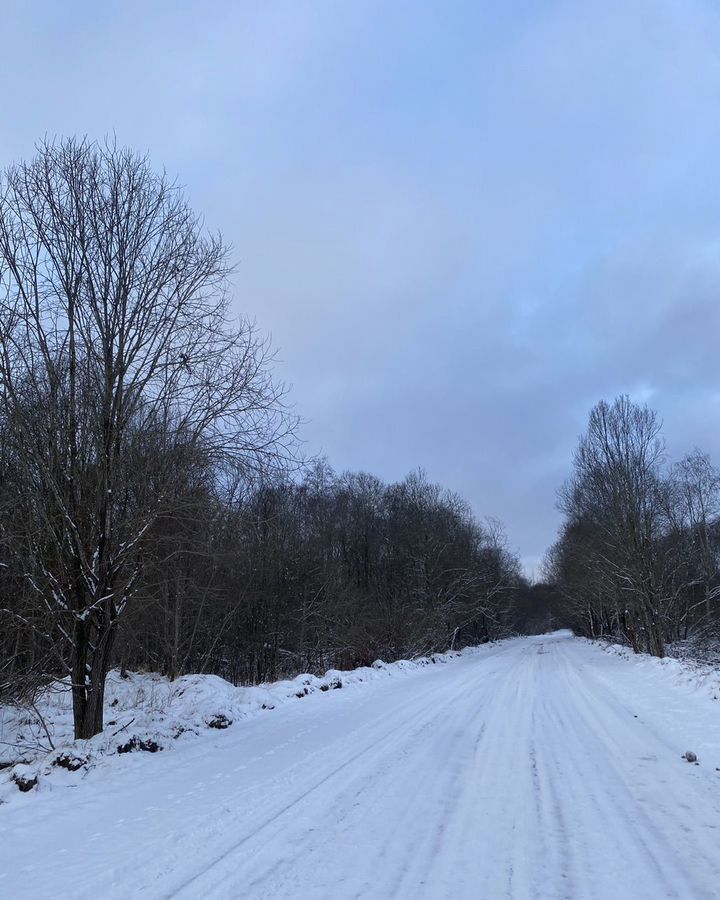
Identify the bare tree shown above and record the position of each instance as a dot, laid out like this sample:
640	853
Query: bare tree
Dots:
618	488
118	368
694	509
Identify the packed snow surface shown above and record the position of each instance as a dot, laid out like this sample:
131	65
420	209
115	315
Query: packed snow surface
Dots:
541	767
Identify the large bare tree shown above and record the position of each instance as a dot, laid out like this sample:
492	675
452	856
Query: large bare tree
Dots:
119	370
617	489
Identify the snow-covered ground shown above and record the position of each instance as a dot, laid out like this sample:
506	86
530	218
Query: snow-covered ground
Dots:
146	710
543	767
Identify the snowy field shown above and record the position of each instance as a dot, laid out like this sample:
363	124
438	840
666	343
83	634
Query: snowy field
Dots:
544	767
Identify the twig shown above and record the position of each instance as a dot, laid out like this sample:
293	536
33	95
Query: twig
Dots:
126	725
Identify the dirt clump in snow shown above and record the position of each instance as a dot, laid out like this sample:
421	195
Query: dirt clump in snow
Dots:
25	778
69	761
219	721
136	743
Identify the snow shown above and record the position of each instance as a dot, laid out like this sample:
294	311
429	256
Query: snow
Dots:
686	671
544	767
149	709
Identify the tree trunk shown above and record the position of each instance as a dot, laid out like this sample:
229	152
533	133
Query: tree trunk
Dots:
89	671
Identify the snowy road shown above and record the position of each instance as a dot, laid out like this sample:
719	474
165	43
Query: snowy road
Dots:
538	768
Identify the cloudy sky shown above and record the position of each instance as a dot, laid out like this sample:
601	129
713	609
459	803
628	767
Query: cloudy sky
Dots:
462	222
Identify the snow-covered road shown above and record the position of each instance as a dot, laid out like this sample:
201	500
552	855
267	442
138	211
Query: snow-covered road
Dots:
537	768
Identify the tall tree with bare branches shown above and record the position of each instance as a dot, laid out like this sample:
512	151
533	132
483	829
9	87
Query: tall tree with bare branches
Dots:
119	369
618	494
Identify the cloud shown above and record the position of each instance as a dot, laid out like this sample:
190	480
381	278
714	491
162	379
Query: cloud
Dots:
463	223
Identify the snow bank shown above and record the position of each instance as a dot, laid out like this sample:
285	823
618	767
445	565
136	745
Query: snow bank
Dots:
147	712
696	674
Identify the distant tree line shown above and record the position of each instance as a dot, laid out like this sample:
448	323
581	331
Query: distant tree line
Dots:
323	571
638	557
153	512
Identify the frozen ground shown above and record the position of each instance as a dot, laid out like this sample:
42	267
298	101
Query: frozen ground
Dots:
539	768
148	709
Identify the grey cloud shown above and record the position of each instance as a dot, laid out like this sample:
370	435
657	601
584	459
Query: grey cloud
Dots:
463	223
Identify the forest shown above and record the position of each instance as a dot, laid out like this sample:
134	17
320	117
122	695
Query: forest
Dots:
637	556
157	513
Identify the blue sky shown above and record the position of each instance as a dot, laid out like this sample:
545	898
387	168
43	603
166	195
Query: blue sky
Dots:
462	222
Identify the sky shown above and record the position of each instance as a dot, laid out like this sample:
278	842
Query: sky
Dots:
462	223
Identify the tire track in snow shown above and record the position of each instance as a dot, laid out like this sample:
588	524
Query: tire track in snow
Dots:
207	879
520	773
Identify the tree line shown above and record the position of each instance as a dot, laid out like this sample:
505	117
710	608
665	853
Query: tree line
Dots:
153	509
318	572
638	556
